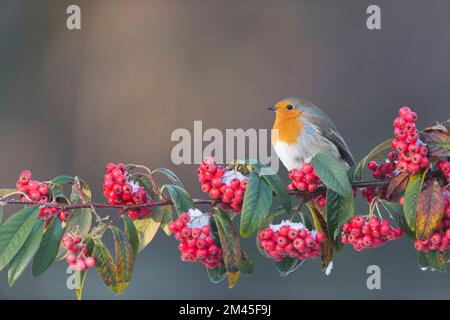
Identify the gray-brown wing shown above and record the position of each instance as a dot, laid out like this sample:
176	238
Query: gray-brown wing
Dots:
344	151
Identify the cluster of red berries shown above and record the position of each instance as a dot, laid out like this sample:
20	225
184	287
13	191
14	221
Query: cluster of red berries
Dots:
225	186
290	239
440	239
32	189
444	166
380	171
78	258
371	232
118	189
306	179
38	191
412	153
196	241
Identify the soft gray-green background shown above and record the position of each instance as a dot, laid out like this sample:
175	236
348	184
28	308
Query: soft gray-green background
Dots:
70	101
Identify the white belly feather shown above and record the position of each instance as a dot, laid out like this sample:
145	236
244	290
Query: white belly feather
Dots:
294	155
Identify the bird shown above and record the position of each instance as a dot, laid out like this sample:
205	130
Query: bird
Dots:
301	130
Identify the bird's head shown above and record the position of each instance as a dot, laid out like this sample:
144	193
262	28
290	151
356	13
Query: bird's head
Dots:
288	109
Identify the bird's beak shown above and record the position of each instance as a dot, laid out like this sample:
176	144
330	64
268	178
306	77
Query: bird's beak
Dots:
273	108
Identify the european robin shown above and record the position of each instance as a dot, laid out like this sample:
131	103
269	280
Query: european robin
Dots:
302	130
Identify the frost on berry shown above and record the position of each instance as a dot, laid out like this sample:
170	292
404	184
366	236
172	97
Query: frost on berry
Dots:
197	243
290	239
119	189
363	232
227	187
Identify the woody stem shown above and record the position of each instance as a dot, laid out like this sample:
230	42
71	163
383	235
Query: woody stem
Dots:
301	194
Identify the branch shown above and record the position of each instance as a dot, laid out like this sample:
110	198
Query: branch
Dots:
304	195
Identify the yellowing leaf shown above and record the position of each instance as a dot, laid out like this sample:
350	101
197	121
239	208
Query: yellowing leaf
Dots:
430	210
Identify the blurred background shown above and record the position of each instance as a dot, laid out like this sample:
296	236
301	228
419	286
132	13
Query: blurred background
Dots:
71	101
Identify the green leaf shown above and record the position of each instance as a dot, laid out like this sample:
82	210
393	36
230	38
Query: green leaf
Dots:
105	265
395	211
26	253
375	154
132	234
217	274
1	213
62	180
276	184
339	210
124	260
147	228
170	175
437	260
411	197
430	210
332	173
229	243
144	181
180	197
246	264
256	206
288	265
48	248
83	274
422	260
393	208
14	232
81	218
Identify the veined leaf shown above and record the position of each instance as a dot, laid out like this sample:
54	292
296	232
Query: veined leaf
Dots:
180	197
438	143
147	228
170	175
229	243
105	265
82	217
288	265
332	173
62	180
374	154
411	197
437	261
397	183
14	232
256	206
217	274
276	184
132	234
124	260
339	210
430	210
26	253
48	248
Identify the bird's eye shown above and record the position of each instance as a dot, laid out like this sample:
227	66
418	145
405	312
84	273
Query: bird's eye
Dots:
290	107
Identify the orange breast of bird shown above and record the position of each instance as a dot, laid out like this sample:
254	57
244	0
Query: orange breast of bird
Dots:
288	127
